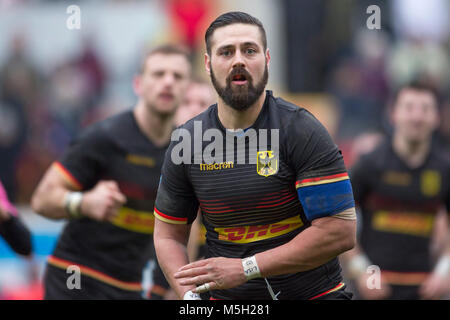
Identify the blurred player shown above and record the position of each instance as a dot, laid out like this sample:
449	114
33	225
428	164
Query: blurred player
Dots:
400	188
274	226
15	233
198	97
105	184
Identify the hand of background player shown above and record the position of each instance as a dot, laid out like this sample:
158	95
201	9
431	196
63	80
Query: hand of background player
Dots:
367	293
216	273
434	287
4	215
103	201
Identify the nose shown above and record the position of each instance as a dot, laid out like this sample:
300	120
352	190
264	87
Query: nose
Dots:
168	79
238	59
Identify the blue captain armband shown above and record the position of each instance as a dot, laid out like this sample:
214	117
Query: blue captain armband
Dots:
325	196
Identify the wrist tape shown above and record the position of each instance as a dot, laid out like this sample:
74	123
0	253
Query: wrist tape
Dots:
251	269
72	203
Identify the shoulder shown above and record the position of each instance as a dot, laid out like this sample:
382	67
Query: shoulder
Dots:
378	157
295	118
103	130
441	155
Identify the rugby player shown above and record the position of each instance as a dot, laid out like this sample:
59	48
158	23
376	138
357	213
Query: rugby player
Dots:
400	187
12	229
275	222
105	184
198	97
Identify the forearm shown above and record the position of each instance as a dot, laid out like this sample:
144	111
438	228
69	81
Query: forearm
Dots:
172	255
171	251
49	202
48	199
311	248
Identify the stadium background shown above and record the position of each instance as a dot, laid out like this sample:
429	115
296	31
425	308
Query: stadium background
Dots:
55	81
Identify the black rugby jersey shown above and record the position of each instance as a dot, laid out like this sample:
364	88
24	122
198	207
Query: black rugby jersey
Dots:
252	207
114	252
398	206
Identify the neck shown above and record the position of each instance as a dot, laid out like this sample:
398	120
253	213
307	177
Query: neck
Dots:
413	153
239	119
157	127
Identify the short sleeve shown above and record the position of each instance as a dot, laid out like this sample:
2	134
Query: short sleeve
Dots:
83	162
176	201
322	181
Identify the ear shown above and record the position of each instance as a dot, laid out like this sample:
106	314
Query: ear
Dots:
268	58
207	64
137	85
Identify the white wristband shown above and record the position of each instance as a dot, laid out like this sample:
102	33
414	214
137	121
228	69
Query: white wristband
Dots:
251	269
189	295
358	265
72	203
443	266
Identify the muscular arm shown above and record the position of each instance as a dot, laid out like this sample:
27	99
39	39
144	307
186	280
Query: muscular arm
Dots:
48	198
99	203
324	240
170	245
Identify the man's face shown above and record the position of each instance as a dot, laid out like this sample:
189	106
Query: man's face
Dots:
415	114
198	98
238	64
163	82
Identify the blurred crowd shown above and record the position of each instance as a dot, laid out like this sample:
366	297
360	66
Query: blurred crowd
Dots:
329	50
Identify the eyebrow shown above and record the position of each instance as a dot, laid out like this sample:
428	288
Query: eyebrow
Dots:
231	46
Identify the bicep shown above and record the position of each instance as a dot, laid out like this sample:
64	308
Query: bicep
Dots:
335	225
168	231
49	194
54	180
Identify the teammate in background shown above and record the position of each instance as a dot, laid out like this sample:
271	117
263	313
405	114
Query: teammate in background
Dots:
400	188
106	183
15	233
276	223
198	97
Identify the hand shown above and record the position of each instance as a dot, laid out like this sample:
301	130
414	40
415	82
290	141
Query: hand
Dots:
372	293
434	287
4	215
103	201
214	273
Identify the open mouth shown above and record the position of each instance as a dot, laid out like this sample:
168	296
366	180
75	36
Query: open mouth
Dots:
166	96
239	79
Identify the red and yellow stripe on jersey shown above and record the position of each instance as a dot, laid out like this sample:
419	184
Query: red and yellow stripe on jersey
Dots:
134	220
174	220
339	286
67	175
321	180
64	264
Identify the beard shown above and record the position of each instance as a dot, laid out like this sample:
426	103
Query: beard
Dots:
241	97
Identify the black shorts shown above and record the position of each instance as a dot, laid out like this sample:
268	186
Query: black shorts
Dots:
55	286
